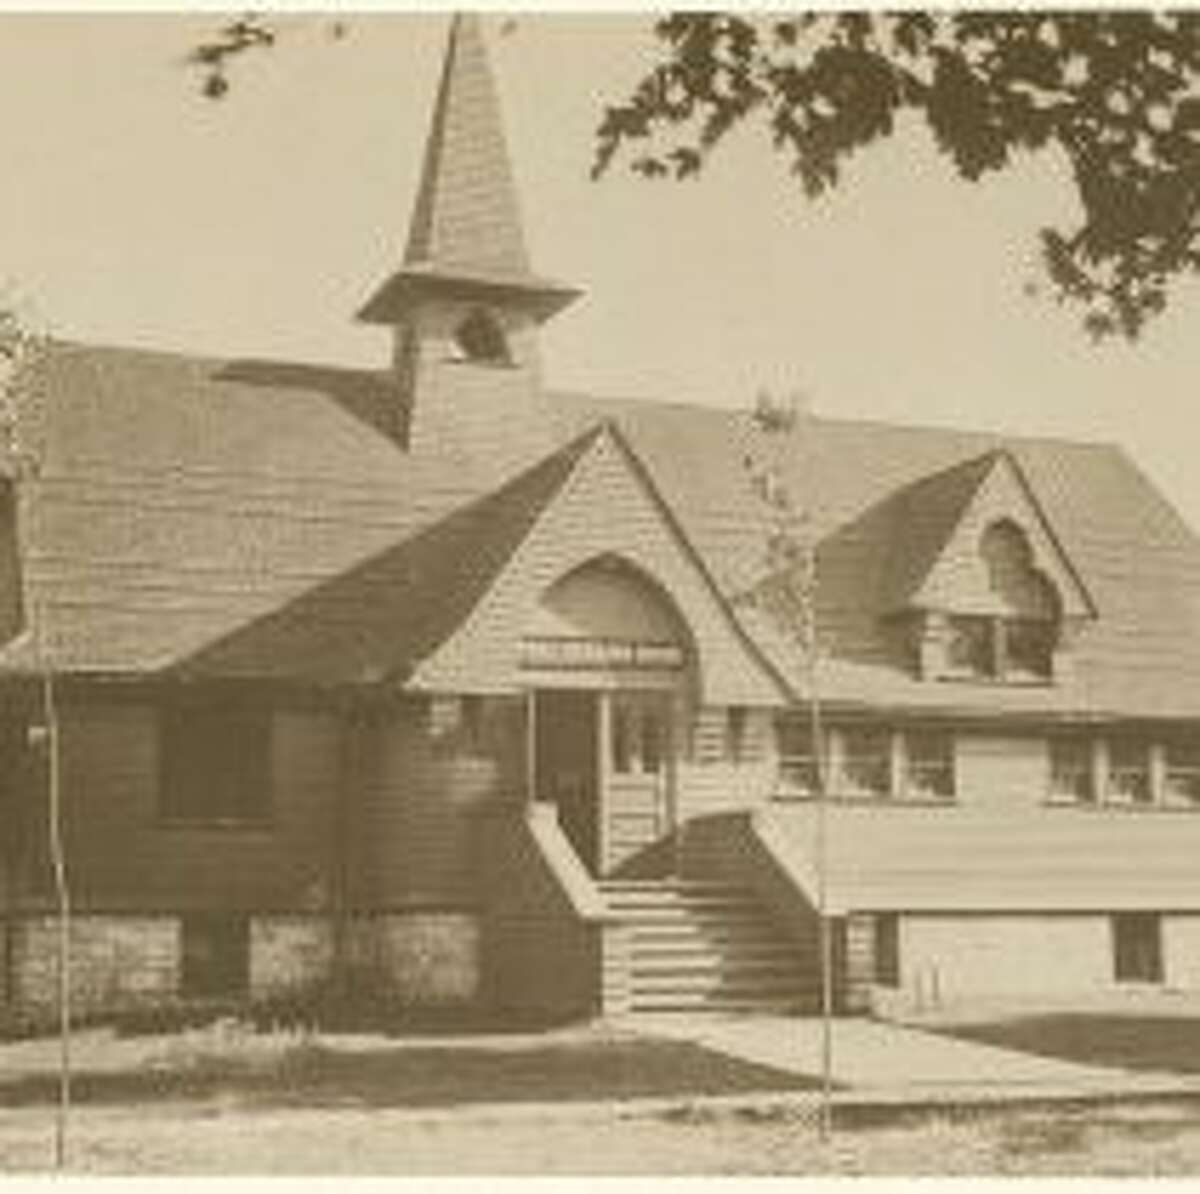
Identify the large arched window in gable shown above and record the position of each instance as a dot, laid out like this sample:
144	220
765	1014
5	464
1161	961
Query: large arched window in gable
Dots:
1016	638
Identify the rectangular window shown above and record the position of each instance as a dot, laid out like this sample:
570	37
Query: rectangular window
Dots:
215	763
1028	648
866	762
1071	776
798	763
214	955
1181	784
1129	771
1137	947
887	949
970	647
929	765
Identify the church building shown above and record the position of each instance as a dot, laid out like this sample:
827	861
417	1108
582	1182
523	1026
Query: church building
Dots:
440	685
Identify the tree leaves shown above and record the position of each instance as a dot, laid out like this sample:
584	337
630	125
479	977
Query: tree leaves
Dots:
1117	92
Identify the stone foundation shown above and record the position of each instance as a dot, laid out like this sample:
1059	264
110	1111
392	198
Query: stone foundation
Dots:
116	962
121	962
289	954
417	957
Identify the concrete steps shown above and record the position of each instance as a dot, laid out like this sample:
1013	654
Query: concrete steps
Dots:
703	945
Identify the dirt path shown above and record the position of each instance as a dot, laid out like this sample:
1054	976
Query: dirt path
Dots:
1142	1141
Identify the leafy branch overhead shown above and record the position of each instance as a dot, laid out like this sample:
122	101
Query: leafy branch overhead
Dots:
1118	93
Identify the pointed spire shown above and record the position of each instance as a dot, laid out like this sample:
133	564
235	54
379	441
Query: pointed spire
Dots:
466	228
467	215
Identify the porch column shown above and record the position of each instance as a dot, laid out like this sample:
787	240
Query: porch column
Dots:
531	776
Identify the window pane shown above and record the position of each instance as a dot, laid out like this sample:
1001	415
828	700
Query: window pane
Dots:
866	761
1182	780
797	759
969	649
1071	769
1029	646
887	949
1129	771
929	759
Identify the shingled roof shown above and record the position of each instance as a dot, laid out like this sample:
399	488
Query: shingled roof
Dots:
186	501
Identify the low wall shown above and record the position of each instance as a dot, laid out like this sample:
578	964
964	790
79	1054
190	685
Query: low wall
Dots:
550	949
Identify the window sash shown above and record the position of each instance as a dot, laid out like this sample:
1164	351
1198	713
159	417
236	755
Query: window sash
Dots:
866	763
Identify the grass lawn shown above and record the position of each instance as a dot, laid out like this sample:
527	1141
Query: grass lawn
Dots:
285	1070
1134	1042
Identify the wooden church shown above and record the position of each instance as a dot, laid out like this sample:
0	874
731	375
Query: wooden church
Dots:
443	684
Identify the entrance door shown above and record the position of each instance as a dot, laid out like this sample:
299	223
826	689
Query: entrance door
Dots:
566	766
636	776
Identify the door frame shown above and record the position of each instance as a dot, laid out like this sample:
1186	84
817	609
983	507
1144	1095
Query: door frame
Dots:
603	770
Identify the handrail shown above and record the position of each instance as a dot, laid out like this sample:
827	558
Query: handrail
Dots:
563	865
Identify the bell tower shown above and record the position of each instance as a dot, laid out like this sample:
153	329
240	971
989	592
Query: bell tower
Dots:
465	306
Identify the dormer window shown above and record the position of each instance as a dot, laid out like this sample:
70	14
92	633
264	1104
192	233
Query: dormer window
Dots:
1014	636
480	338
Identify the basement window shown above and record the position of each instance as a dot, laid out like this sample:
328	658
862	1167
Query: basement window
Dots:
1137	947
214	955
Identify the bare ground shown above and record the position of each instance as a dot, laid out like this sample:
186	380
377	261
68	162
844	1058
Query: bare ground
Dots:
1142	1141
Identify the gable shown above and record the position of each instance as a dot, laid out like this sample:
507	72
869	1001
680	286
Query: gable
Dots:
607	508
977	572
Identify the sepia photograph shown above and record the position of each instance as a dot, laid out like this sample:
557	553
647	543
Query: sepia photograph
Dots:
600	593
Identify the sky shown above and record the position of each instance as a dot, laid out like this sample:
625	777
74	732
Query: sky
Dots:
134	212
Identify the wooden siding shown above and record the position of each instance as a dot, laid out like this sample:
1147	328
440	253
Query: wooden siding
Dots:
122	857
484	654
423	789
1001	772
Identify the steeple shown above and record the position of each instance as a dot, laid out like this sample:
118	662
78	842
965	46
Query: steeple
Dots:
466	233
465	304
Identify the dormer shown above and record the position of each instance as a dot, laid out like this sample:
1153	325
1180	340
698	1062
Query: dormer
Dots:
990	594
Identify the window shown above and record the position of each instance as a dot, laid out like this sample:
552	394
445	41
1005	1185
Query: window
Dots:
1071	776
929	765
798	763
887	949
1016	639
215	763
1129	772
969	651
214	955
1137	947
866	762
480	337
1027	648
1181	783
735	733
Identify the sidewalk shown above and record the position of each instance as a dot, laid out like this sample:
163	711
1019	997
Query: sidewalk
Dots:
879	1062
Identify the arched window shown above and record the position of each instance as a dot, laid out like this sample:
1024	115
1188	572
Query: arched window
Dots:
480	337
1017	640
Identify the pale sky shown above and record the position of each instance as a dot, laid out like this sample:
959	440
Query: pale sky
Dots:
133	212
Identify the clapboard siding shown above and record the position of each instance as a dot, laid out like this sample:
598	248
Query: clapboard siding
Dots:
995	772
424	786
121	857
